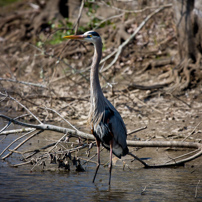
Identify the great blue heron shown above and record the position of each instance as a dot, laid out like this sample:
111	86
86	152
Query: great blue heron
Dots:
107	125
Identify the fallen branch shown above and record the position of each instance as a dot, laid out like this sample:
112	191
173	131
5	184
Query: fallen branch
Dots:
130	143
142	87
16	140
24	82
22	130
120	48
51	127
137	130
19	145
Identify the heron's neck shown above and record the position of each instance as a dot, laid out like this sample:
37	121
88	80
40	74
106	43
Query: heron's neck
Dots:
98	101
94	76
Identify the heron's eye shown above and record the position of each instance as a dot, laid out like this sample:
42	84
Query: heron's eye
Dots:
90	36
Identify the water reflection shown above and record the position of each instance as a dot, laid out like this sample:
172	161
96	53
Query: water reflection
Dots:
18	184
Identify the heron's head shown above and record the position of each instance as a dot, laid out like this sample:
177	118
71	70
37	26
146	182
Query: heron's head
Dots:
90	36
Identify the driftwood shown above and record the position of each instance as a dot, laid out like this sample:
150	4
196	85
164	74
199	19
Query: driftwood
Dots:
39	128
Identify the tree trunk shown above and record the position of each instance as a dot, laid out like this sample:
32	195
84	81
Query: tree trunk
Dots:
188	20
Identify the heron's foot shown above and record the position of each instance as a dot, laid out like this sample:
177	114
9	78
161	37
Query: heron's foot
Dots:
98	165
110	171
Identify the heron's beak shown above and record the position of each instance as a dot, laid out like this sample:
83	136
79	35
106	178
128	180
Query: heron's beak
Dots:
74	37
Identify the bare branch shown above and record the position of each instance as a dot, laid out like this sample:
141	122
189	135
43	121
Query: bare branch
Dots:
7	132
5	127
192	131
51	127
6	95
120	48
79	16
63	118
16	141
110	18
133	11
19	145
24	82
137	130
80	134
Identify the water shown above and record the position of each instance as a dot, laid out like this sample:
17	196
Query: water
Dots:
168	184
18	184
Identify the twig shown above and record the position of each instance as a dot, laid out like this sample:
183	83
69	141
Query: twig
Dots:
196	191
189	153
180	100
91	137
24	82
164	144
110	18
19	145
144	189
79	16
6	95
107	57
7	132
133	11
169	144
57	142
58	60
5	127
192	132
119	50
37	150
17	140
149	106
37	162
3	132
92	157
142	87
137	130
62	118
22	164
88	160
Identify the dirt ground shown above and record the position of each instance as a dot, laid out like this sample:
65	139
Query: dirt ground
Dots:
139	84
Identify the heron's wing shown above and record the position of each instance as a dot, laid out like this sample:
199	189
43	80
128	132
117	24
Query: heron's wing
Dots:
112	126
119	132
102	130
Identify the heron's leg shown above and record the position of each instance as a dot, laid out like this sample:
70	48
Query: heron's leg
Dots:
98	159
110	161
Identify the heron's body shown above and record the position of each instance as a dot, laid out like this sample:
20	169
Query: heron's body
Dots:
104	118
106	122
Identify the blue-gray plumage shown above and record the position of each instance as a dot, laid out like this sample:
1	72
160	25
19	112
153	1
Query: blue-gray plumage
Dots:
102	131
107	125
110	125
